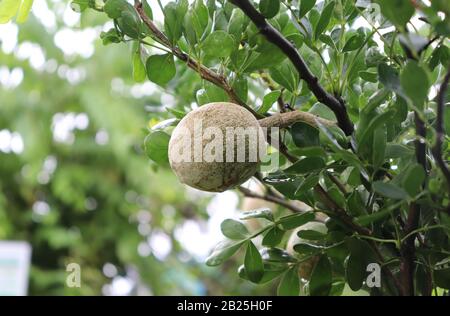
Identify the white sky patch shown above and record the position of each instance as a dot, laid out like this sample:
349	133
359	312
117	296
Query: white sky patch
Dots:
8	37
11	142
64	125
10	79
161	244
33	53
76	42
44	14
199	238
70	17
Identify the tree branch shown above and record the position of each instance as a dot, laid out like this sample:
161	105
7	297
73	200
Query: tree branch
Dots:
440	131
290	51
271	198
288	118
203	71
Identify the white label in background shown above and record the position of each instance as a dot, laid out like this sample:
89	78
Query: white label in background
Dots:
14	266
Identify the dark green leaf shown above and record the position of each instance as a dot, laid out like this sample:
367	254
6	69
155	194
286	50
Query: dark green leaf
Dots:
269	8
290	283
160	68
114	8
305	7
253	263
309	234
304	135
389	190
218	44
156	147
295	220
415	82
273	237
234	229
397	11
285	75
379	146
223	251
324	19
268	101
321	278
413	180
306	165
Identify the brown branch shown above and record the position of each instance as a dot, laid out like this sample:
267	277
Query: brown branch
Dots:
273	36
271	198
440	130
203	71
288	118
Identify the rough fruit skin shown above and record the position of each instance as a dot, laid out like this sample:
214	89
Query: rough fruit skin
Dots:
306	267
213	176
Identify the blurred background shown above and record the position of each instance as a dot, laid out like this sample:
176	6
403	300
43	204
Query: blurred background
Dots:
75	183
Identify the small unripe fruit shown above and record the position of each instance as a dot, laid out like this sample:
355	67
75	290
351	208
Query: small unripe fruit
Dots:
200	130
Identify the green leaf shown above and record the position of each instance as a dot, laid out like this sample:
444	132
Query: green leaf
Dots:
355	271
369	76
259	213
305	7
398	12
390	190
234	230
306	249
236	24
130	23
356	206
273	237
269	8
253	263
8	9
306	165
160	68
415	82
321	278
223	251
196	21
304	135
389	77
114	8
139	72
24	10
309	234
369	130
290	283
111	36
324	19
398	151
413	180
147	9
276	255
379	146
268	101
353	43
218	44
295	220
307	184
174	14
285	75
156	147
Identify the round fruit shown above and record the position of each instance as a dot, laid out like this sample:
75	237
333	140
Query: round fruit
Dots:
216	147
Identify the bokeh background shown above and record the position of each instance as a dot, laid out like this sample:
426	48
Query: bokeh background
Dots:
74	179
